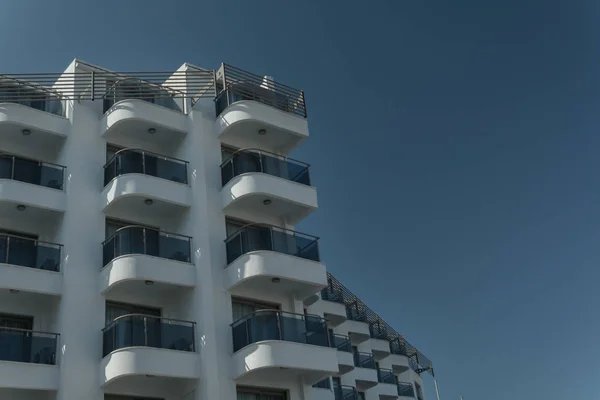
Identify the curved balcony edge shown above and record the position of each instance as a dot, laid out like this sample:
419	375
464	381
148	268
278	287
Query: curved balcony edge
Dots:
133	110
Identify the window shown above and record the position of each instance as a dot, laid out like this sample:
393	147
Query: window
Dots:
361	395
116	310
16	322
242	307
324	384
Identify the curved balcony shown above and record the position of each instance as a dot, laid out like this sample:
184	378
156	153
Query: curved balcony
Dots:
32	116
146	260
380	346
365	372
345	357
136	177
257	111
25	182
291	345
29	359
331	306
136	344
143	111
405	389
268	184
263	257
30	265
399	356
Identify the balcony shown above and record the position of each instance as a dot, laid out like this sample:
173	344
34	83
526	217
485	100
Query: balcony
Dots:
139	345
28	359
272	344
267	185
345	357
331	306
30	265
255	111
399	356
345	393
32	184
134	178
134	256
380	346
31	115
365	372
405	389
142	111
387	388
263	257
356	324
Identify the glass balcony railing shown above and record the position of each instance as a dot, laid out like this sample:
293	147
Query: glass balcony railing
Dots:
138	330
355	315
31	253
278	325
397	347
135	239
386	376
133	161
341	342
27	346
31	171
364	360
345	393
137	89
413	364
21	93
251	160
324	384
257	237
405	389
377	331
330	295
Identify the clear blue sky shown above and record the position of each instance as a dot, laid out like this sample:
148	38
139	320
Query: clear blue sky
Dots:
455	146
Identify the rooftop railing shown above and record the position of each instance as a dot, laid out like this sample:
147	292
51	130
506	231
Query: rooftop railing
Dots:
135	161
341	342
31	95
278	325
237	85
134	239
386	376
139	330
256	237
31	171
364	360
405	389
359	311
28	346
31	253
254	160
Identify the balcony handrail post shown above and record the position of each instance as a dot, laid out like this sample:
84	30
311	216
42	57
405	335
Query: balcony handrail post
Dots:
143	162
7	249
145	332
260	161
145	247
272	239
280	333
12	172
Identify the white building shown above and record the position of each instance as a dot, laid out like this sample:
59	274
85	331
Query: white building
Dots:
145	218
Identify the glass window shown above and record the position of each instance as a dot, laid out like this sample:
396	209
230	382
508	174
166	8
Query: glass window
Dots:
115	310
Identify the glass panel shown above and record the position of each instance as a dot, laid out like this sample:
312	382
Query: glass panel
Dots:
174	247
51	176
27	171
324	384
5	167
27	346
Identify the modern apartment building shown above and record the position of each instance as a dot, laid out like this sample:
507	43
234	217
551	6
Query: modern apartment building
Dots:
148	247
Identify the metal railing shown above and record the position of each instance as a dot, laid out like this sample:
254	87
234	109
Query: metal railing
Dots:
39	97
138	89
364	360
279	325
32	171
386	376
237	85
255	160
327	294
28	346
140	330
413	364
341	342
255	237
136	161
405	389
378	330
31	253
357	310
135	239
343	392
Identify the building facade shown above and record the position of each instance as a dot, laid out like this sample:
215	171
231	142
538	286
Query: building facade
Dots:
148	247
